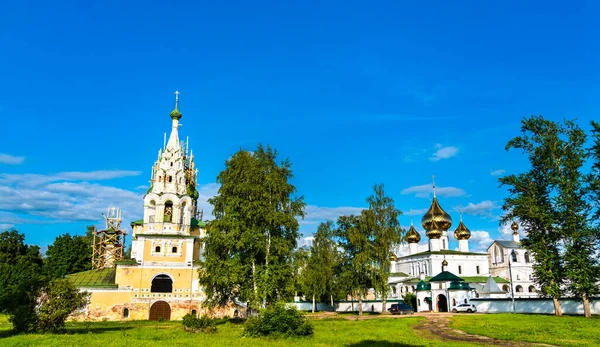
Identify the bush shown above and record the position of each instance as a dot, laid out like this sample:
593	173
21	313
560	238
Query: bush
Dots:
204	323
278	321
58	301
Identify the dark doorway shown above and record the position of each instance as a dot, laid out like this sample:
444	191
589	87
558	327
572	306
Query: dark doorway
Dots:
162	284
160	310
442	303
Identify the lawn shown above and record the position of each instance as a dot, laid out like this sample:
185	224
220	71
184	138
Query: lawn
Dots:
562	331
328	332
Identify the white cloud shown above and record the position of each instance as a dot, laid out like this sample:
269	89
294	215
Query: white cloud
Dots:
306	241
443	152
480	241
321	213
39	179
497	172
424	191
6	226
482	208
11	159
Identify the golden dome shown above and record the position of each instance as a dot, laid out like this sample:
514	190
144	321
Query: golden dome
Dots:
437	214
434	232
514	226
462	232
413	235
445	262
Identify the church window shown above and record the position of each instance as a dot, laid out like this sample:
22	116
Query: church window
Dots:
168	215
444	244
157	249
527	260
505	288
478	269
174	250
125	312
531	289
459	269
170	179
519	289
419	302
162	284
194	313
454	302
171	164
159	179
514	256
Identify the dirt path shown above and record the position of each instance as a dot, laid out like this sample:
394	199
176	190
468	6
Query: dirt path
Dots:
437	327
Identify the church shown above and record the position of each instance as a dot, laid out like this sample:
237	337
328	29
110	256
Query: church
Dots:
161	282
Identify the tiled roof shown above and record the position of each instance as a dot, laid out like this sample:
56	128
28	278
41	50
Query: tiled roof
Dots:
104	278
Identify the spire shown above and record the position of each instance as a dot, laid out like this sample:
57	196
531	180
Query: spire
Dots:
173	143
433	180
411	220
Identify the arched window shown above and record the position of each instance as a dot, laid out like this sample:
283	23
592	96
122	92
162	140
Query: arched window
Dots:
174	250
168	215
514	256
194	313
125	312
157	249
505	288
418	302
159	179
519	289
182	213
162	284
532	289
170	179
151	211
453	302
444	244
527	260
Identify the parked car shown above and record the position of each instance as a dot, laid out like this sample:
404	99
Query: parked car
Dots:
401	309
465	308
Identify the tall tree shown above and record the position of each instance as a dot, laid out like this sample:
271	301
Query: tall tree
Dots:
250	243
20	280
553	202
382	220
319	275
356	239
68	254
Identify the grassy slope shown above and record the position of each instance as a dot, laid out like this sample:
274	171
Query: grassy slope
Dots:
562	331
339	332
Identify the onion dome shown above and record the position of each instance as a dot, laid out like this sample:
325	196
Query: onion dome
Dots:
423	286
434	232
413	235
455	285
462	232
465	286
437	214
175	114
514	226
444	263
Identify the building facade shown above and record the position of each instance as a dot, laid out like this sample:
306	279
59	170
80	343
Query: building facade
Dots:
161	280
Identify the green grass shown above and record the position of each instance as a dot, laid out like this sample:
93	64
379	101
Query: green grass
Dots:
328	332
562	331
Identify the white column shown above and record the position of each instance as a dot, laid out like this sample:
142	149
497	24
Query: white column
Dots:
463	245
434	245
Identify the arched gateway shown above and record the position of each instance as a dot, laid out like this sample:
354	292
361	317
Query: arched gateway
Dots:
442	303
160	309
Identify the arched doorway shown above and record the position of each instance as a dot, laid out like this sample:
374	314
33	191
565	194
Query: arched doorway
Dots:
442	303
160	310
162	284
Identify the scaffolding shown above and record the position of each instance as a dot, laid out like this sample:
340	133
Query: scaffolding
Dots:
108	243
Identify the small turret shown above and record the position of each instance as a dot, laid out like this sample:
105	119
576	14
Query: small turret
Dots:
515	228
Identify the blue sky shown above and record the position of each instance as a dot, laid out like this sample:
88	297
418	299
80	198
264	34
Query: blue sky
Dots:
354	93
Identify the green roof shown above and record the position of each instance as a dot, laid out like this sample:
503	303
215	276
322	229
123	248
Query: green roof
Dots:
398	274
137	222
198	223
104	278
483	279
445	276
443	252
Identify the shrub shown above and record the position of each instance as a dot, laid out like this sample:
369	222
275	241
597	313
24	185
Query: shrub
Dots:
278	321
204	323
58	301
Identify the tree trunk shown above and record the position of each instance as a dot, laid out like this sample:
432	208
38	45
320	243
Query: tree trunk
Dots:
331	297
254	280
313	306
587	312
360	304
383	302
557	308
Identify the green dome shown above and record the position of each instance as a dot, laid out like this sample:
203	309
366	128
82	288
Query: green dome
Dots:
423	286
455	285
175	114
466	286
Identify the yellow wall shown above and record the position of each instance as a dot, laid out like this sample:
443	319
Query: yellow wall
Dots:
139	277
166	250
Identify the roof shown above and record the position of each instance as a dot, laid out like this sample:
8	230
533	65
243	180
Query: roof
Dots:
491	287
398	274
445	276
137	222
468	279
507	244
198	223
104	278
443	252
